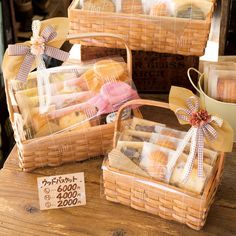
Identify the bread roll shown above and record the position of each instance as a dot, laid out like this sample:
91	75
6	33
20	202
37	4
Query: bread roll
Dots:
226	90
99	5
109	70
194	184
160	9
166	143
72	119
132	6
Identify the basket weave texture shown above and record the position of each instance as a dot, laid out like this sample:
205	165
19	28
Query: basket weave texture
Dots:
64	147
166	201
158	34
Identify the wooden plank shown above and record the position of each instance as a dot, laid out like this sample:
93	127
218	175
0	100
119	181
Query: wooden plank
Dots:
225	6
20	214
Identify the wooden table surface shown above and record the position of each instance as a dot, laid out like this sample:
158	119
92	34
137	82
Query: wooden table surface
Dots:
20	214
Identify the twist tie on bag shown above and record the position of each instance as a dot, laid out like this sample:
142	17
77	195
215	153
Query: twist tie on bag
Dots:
34	52
206	129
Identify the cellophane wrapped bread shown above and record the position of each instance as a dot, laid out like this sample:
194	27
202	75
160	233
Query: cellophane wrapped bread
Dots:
192	9
75	96
220	80
147	147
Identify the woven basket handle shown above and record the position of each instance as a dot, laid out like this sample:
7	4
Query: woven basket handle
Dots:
134	102
190	78
110	35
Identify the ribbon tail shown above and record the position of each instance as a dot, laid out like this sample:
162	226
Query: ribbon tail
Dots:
189	163
56	53
178	152
200	147
44	88
25	68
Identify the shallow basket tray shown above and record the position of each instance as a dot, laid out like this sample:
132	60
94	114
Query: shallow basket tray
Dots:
143	32
166	201
64	147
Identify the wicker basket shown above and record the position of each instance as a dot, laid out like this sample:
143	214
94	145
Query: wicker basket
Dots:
158	198
54	150
158	34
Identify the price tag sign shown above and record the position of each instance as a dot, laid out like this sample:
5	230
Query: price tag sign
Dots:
61	191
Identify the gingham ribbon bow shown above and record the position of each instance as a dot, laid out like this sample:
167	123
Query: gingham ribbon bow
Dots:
201	128
36	50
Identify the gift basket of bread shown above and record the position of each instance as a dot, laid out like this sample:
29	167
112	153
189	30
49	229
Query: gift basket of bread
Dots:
167	172
165	26
65	113
217	88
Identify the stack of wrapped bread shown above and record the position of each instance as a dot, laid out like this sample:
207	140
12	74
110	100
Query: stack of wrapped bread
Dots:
78	96
144	148
220	80
172	8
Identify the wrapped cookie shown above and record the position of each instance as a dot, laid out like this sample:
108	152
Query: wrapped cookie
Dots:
155	159
222	85
132	150
121	162
135	136
173	143
194	184
144	125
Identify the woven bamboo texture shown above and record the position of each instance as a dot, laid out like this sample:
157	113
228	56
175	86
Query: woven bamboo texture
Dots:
166	201
158	34
69	146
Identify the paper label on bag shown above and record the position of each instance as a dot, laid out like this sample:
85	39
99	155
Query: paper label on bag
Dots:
61	191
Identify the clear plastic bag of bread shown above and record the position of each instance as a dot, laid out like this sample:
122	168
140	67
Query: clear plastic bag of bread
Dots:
192	9
154	160
222	84
76	96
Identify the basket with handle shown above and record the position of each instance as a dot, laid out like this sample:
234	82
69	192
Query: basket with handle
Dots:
64	147
148	33
148	195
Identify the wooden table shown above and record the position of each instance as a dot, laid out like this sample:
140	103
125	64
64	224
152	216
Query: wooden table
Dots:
20	214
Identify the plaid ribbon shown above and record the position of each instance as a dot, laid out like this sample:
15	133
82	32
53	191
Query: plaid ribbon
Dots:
201	128
35	52
37	49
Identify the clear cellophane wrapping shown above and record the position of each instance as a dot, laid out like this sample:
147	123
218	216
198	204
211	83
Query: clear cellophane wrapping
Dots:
144	148
81	95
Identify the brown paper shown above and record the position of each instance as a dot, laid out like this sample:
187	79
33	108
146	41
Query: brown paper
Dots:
11	64
224	140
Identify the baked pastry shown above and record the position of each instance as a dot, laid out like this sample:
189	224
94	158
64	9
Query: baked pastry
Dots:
155	164
119	161
160	9
99	5
194	184
170	133
74	118
132	6
109	70
136	136
144	125
192	9
166	143
131	149
226	90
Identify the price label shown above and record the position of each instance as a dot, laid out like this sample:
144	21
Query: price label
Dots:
61	191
